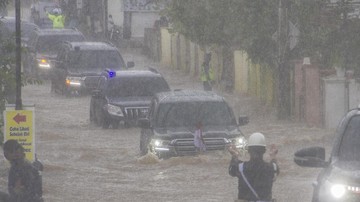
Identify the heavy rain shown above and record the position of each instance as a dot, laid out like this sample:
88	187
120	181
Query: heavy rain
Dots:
294	82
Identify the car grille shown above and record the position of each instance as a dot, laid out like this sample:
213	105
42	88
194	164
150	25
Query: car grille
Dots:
186	146
134	113
91	82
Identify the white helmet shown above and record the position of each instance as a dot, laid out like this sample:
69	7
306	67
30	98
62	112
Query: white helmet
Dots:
56	11
257	139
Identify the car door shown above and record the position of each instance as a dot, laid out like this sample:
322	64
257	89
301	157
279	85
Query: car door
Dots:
98	97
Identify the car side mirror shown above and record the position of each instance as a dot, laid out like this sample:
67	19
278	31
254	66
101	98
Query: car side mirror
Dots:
144	123
311	157
243	120
130	64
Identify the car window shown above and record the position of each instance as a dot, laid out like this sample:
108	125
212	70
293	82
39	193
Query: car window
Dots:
50	43
350	144
96	59
126	87
189	113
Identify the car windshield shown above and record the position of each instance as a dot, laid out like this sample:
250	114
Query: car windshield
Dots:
189	113
350	144
49	43
26	28
128	87
97	60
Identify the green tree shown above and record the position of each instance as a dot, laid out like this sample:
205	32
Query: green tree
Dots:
7	77
7	69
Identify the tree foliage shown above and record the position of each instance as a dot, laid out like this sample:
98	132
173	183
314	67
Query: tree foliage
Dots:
7	68
328	33
248	24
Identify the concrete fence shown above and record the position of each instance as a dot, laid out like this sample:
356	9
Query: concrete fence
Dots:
242	77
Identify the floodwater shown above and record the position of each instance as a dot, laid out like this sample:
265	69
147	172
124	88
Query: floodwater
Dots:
83	162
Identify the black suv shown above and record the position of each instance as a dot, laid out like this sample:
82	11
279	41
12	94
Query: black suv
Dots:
43	46
79	64
339	179
168	129
124	96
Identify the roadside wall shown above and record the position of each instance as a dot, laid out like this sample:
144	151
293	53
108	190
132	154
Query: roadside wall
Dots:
180	53
340	95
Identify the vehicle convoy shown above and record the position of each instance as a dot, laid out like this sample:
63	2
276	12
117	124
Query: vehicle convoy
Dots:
43	48
124	96
339	180
79	65
168	130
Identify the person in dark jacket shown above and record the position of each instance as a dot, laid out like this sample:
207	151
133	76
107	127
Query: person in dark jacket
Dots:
24	181
255	177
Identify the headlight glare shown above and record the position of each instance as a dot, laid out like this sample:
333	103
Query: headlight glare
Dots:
337	190
43	63
239	142
73	81
157	144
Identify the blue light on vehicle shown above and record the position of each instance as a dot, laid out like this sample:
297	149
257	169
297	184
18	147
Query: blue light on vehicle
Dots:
111	73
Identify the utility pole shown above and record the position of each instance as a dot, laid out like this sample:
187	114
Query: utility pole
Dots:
18	102
283	74
106	15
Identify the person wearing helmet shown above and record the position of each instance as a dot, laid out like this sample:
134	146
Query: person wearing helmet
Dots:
24	181
256	176
57	18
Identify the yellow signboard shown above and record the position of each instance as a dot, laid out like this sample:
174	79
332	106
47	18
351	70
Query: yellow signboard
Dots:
19	125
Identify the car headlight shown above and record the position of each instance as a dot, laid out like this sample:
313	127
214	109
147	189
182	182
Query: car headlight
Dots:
43	63
73	81
114	110
159	145
239	142
337	191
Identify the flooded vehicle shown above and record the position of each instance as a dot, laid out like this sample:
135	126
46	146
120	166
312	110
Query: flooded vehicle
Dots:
339	180
43	47
79	65
124	96
169	127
